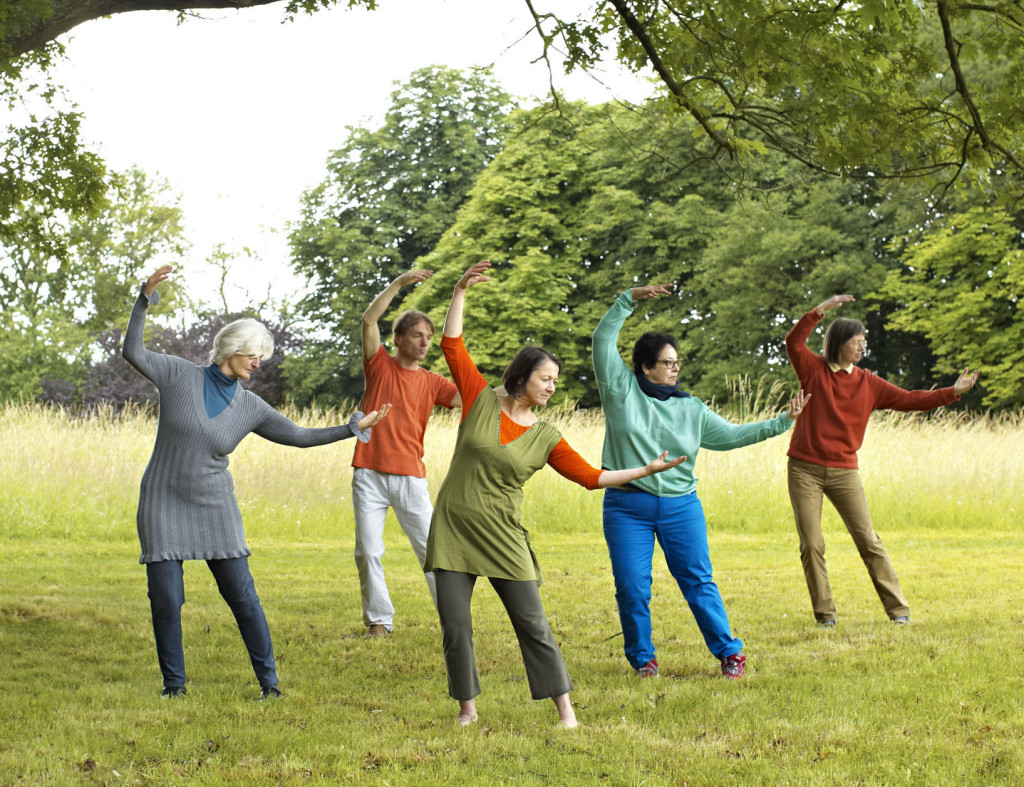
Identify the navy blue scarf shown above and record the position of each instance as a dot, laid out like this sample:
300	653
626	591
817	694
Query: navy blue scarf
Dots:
218	389
660	392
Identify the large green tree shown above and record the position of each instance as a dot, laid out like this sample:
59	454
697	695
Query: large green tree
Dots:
570	216
876	89
62	287
961	286
389	195
883	89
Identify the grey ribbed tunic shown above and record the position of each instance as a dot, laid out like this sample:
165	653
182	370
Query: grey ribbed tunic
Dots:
187	507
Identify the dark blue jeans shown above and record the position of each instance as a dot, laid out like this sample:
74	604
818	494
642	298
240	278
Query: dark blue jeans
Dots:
166	596
632	521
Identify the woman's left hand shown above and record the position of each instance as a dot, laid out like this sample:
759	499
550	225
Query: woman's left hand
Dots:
651	291
797	404
966	381
663	463
374	418
476	274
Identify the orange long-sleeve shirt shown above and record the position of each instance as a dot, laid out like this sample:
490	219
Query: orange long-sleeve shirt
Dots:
831	428
563	458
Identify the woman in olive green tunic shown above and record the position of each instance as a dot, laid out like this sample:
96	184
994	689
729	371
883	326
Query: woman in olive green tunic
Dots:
477	531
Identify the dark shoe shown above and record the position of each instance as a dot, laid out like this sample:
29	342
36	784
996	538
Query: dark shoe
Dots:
271	692
172	691
827	624
902	620
732	666
376	631
648	670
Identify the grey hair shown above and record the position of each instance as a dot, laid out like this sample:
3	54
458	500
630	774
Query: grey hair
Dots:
242	337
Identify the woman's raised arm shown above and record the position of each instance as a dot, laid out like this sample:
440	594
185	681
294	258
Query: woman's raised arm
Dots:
475	275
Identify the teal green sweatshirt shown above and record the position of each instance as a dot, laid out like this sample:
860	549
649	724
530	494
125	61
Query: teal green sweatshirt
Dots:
639	427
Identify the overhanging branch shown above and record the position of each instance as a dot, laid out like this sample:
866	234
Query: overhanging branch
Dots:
32	33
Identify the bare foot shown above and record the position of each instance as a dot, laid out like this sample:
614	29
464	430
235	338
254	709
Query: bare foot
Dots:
566	715
467	713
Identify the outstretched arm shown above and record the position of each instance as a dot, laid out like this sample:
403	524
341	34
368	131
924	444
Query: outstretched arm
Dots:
475	275
280	429
373	313
619	477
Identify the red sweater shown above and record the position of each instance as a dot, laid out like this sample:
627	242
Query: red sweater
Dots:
831	428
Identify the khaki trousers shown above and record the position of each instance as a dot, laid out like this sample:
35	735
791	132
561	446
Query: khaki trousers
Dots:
807	483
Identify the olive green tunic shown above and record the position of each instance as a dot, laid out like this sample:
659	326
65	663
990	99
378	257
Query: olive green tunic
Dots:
477	524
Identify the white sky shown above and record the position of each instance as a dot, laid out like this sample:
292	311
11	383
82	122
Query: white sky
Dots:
239	110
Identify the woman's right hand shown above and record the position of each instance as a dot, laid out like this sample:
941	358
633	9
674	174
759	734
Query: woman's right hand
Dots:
663	463
160	275
474	275
833	302
651	291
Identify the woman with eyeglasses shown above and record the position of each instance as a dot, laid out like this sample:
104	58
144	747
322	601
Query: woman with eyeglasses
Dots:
823	450
644	408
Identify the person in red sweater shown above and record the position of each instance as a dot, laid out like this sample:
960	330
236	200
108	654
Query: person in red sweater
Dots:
823	450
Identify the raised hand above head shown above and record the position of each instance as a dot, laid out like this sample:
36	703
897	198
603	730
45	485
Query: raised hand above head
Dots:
413	277
833	302
158	276
966	380
474	275
652	291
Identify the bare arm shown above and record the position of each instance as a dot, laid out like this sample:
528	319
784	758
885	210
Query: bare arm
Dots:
620	477
373	313
453	320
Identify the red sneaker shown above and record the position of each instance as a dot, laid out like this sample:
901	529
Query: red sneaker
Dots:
648	670
732	666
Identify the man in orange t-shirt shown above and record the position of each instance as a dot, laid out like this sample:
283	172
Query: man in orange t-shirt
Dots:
389	470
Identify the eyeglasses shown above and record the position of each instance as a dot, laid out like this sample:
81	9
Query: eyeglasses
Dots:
669	363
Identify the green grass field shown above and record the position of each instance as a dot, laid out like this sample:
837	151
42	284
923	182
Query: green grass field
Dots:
937	702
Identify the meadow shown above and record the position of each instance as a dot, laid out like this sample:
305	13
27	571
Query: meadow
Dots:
936	702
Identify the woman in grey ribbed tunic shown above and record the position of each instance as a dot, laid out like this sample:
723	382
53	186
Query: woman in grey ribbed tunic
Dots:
187	507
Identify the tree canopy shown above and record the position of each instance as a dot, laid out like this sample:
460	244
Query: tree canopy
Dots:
388	196
884	89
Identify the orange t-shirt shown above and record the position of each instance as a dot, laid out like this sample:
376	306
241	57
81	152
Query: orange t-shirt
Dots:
397	442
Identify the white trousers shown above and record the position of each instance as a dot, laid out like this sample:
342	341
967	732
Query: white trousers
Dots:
372	494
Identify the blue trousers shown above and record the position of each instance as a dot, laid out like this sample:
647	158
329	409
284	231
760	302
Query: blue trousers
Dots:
632	521
167	595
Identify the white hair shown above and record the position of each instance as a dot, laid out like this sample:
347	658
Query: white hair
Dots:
242	337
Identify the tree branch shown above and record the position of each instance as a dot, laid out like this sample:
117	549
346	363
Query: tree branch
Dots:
965	94
655	59
24	35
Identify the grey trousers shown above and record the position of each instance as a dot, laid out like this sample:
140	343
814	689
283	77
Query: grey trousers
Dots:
545	668
807	483
373	493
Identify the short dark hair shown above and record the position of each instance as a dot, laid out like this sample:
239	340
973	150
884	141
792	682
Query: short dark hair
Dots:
839	333
525	364
407	320
647	349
